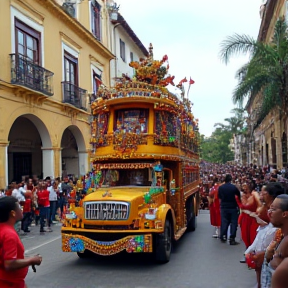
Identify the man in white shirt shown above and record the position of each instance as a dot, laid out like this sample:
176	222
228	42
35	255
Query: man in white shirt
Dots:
17	194
53	201
21	189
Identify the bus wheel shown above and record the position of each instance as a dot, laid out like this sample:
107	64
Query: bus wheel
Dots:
192	224
85	254
163	244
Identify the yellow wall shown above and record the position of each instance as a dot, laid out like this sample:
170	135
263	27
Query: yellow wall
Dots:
54	115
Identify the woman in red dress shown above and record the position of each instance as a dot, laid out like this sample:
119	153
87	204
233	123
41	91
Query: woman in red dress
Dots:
214	207
250	202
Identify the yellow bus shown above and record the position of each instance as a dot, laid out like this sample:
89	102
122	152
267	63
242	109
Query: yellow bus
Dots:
144	186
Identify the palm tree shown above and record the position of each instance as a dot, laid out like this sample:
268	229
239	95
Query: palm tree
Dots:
235	124
265	73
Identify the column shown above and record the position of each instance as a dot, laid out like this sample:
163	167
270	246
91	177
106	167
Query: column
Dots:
83	163
3	165
278	136
57	161
48	162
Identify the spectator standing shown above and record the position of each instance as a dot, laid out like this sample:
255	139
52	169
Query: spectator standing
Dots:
215	216
64	191
13	264
27	208
229	210
53	202
44	205
278	265
16	193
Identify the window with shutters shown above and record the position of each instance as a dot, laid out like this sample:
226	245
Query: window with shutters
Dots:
27	42
95	20
122	50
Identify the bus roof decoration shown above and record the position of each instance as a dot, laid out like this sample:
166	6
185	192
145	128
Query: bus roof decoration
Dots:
149	85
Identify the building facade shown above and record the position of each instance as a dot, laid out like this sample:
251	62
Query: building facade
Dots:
54	54
266	140
126	46
237	146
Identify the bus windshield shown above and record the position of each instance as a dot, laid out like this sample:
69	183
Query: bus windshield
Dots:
126	177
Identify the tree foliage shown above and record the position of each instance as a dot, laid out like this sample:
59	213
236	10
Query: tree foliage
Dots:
215	149
265	73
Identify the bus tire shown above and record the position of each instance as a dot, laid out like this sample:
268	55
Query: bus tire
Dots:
163	244
192	224
85	254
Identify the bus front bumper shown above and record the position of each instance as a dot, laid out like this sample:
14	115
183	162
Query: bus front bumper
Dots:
130	243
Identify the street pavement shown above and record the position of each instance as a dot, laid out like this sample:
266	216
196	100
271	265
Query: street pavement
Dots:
197	261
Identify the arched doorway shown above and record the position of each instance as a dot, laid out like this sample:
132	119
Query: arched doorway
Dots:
273	148
74	155
262	155
28	138
284	149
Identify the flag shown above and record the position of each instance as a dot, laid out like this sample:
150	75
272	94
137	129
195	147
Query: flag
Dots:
191	81
181	82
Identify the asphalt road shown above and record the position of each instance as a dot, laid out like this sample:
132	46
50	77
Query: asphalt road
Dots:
198	261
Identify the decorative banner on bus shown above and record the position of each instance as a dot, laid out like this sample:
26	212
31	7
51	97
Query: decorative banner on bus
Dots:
124	166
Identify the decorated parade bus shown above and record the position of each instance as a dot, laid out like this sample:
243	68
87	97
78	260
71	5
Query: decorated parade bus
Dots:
142	192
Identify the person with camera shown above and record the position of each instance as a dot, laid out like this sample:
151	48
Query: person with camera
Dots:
13	264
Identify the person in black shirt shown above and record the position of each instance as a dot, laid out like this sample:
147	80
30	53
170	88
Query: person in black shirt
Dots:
229	210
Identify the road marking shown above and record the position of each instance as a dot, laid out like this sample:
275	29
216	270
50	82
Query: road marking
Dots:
43	244
23	239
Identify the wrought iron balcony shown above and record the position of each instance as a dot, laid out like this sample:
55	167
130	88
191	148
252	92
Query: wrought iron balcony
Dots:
26	73
74	95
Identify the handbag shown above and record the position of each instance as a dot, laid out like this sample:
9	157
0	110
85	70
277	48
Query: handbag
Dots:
250	261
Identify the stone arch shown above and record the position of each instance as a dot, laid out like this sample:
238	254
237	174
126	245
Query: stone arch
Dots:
27	149
74	155
40	125
78	136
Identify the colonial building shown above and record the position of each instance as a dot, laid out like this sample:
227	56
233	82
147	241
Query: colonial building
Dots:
237	146
52	55
266	141
126	46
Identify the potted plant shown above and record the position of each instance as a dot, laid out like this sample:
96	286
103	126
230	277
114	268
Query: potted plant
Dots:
113	11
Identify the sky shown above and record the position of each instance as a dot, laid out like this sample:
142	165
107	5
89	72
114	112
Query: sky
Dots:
190	33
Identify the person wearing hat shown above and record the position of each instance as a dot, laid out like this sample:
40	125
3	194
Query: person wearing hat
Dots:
13	265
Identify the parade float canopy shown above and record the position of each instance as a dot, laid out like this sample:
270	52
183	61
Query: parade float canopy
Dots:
174	124
149	85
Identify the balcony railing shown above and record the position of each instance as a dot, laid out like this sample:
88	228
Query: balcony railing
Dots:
74	95
172	141
26	73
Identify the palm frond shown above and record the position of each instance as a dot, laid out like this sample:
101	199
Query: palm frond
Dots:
250	86
236	44
242	72
280	38
270	100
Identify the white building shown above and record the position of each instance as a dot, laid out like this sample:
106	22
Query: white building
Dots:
125	45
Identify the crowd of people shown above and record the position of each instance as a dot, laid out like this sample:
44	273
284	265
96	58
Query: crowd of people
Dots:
255	199
43	201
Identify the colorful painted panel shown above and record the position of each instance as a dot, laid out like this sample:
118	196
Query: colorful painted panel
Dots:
132	244
166	129
131	121
99	129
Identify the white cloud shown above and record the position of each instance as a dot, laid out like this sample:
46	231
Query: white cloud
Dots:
190	33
